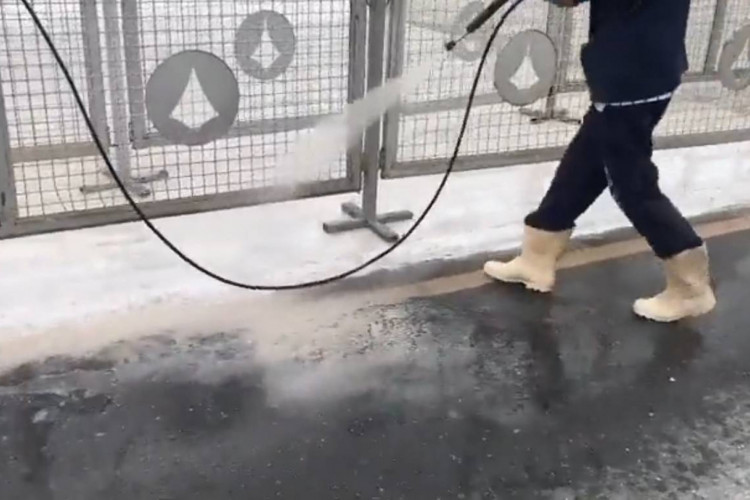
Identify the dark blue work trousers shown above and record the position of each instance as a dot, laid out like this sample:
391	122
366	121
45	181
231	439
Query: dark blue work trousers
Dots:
614	149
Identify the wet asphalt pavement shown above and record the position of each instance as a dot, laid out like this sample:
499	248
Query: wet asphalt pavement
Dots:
485	393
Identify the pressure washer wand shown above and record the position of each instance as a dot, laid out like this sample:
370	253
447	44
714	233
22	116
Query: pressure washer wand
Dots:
477	22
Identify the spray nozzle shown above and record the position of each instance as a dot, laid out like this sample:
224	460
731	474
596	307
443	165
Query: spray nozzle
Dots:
477	22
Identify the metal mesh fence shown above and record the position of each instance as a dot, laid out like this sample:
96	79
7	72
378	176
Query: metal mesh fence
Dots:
184	142
423	132
432	114
290	62
46	134
272	113
702	104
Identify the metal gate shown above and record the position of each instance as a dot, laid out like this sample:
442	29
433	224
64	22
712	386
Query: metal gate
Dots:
291	62
195	100
420	135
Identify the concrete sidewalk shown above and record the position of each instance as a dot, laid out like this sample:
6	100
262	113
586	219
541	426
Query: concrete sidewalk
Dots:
451	389
53	278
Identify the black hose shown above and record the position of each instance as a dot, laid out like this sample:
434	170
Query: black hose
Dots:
207	272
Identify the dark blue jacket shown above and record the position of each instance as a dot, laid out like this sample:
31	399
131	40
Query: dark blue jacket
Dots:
636	48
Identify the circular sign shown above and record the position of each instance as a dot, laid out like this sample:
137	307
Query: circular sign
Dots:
733	49
282	44
471	48
529	54
168	83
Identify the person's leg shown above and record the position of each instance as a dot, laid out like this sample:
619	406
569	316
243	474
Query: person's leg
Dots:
578	182
626	148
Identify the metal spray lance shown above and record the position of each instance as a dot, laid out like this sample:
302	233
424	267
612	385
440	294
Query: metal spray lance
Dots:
477	22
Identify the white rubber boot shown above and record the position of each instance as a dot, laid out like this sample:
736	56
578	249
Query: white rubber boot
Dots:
688	292
537	264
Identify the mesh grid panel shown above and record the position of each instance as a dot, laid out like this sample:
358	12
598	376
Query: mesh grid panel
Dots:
53	156
52	153
315	84
498	128
493	128
699	107
41	113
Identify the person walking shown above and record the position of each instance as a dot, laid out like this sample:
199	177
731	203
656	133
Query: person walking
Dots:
633	63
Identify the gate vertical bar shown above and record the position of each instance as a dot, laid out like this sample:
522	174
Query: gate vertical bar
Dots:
375	63
356	83
92	56
117	88
717	35
131	36
367	216
8	201
395	68
119	98
560	30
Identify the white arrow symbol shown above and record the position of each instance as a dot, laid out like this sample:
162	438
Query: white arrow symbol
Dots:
194	108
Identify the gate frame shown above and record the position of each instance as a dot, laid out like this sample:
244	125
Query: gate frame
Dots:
560	30
393	169
94	91
113	44
373	157
8	195
14	226
366	216
140	138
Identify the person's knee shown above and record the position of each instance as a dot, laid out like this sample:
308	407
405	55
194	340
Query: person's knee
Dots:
632	190
632	199
634	176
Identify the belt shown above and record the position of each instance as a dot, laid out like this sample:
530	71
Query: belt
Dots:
600	105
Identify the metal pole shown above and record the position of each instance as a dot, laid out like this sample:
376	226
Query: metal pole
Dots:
395	68
120	119
117	87
715	40
92	55
133	64
555	30
8	201
356	80
560	30
375	61
367	216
